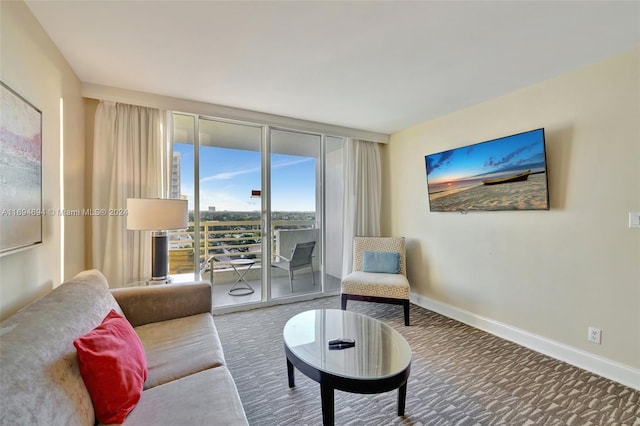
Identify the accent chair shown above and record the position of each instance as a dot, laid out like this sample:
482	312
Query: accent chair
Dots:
379	273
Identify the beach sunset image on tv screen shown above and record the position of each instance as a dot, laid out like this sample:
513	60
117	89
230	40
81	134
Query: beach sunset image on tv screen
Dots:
508	173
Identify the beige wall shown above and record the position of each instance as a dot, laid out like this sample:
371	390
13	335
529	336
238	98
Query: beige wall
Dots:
550	273
32	66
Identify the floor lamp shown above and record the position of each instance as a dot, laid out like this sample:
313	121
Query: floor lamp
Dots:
158	215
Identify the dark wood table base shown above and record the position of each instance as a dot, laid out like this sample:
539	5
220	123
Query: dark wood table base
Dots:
329	383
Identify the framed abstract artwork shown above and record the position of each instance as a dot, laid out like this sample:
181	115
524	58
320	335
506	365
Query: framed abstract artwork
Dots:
20	172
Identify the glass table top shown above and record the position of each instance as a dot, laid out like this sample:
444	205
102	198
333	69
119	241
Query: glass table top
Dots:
379	351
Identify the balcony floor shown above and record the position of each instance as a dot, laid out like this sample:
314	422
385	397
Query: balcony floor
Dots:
280	288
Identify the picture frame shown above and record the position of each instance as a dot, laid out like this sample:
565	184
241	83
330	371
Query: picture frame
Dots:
20	173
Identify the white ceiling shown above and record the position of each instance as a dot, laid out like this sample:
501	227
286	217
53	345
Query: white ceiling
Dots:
379	66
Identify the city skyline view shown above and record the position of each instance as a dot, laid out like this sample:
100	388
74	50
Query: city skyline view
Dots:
227	177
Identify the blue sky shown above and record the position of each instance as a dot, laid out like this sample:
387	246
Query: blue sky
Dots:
518	152
227	177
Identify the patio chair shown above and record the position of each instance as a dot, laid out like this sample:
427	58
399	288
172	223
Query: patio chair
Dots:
379	273
207	266
301	257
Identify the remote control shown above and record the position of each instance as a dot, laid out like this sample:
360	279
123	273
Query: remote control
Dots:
341	346
342	341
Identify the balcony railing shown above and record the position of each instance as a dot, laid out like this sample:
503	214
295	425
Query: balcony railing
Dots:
223	241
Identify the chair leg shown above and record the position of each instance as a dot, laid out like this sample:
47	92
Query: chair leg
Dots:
291	279
406	312
343	302
313	277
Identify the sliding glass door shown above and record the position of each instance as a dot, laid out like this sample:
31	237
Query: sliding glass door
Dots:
295	174
230	158
217	167
256	200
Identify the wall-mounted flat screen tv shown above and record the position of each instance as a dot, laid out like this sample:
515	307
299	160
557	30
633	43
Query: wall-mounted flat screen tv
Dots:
508	173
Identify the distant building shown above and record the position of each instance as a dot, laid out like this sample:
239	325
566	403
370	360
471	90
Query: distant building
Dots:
175	176
212	208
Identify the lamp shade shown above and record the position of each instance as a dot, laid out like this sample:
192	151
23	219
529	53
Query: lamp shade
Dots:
156	214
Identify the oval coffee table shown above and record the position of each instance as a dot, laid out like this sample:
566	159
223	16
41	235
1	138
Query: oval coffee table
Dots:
380	361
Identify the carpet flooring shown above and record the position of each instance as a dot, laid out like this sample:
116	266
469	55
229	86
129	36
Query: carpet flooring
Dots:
459	376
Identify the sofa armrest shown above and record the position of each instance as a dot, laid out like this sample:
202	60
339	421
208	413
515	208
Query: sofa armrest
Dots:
144	305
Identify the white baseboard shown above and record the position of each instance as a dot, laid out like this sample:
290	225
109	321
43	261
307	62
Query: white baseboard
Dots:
604	367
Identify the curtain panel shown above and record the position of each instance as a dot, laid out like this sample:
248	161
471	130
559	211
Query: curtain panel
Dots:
362	195
128	162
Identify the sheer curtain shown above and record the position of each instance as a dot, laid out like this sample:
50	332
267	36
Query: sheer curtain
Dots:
128	161
362	195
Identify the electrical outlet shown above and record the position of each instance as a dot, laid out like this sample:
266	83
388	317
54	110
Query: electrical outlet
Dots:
594	335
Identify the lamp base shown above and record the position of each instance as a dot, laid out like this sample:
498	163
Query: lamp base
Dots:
159	258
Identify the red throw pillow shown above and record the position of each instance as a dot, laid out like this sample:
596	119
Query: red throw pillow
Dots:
113	366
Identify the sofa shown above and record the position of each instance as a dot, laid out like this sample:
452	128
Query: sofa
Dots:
187	381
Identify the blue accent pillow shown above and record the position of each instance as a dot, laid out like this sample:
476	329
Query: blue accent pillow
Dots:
381	261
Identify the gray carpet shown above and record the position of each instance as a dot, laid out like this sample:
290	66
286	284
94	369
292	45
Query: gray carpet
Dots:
459	376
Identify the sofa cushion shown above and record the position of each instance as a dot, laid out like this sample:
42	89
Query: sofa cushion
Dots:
146	304
38	363
113	366
395	286
208	397
179	347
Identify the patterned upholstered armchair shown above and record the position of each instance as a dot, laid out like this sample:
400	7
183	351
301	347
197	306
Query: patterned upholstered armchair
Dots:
379	273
